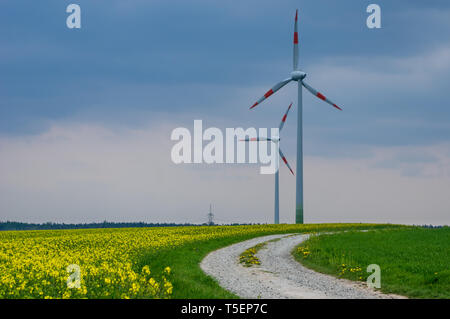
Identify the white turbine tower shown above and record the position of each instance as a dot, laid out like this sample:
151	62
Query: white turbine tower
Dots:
276	140
298	76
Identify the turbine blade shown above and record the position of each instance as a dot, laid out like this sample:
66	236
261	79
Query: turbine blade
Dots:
296	41
320	95
283	120
285	161
275	88
255	139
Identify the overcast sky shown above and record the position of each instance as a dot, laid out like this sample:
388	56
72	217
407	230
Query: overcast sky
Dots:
86	115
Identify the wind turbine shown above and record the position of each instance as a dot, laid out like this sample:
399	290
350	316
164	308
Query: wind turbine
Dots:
276	140
298	76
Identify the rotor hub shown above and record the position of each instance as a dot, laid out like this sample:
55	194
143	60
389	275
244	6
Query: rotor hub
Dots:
298	75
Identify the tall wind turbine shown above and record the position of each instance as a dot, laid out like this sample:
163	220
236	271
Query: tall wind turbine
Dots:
276	140
298	76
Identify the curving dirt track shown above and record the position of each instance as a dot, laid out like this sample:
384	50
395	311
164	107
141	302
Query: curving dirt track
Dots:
279	275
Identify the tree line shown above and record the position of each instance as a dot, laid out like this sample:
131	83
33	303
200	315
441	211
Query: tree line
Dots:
11	225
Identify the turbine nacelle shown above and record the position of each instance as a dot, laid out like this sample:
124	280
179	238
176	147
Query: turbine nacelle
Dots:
275	139
298	75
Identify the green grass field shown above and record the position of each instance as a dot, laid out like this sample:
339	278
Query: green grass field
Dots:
414	262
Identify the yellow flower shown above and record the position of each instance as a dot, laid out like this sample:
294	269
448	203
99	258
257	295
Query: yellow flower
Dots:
167	270
146	270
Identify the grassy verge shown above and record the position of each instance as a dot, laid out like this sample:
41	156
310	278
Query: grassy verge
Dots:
188	279
414	261
248	257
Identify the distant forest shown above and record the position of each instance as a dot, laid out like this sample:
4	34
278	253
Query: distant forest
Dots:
8	225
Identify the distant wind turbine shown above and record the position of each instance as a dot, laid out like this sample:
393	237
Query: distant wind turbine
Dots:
298	76
276	140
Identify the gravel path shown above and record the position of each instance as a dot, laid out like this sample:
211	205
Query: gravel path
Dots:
279	275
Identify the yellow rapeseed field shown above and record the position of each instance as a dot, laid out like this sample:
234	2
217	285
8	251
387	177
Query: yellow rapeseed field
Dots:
34	264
